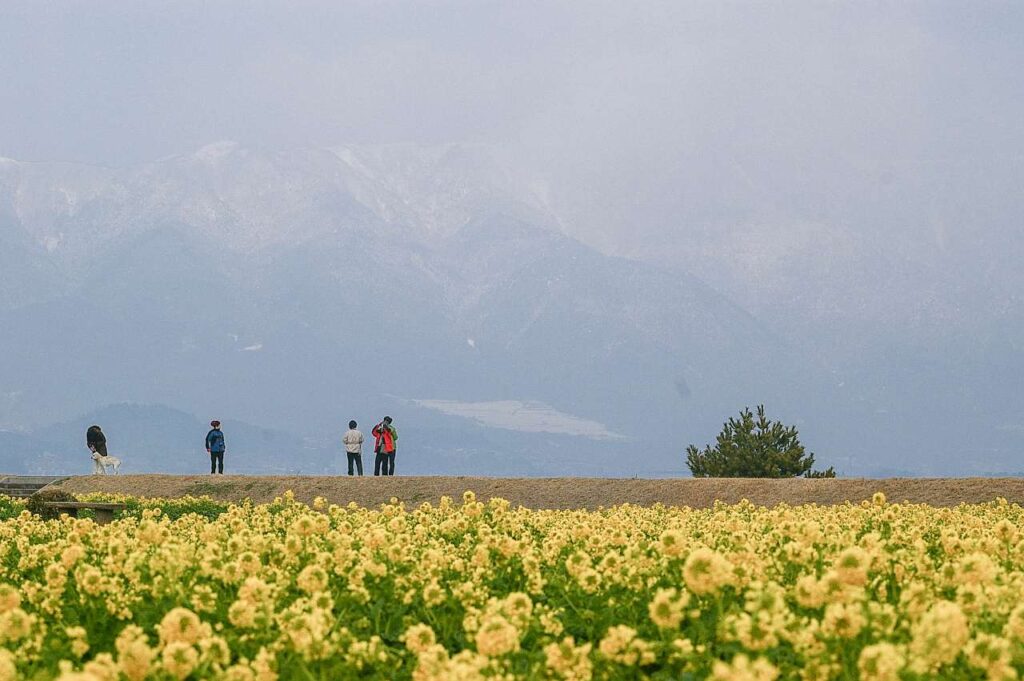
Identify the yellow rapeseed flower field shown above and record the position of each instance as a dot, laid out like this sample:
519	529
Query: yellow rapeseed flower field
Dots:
466	590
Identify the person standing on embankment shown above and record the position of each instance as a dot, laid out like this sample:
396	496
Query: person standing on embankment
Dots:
215	448
385	445
353	440
96	441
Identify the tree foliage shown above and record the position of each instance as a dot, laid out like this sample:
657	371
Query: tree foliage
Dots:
754	447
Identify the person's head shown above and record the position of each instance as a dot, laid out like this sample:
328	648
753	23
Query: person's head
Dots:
215	424
387	420
352	424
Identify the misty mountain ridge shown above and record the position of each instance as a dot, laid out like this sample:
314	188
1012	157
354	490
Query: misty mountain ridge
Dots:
151	438
249	200
297	289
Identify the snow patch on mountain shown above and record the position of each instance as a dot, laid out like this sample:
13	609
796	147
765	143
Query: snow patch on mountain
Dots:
438	189
215	151
528	417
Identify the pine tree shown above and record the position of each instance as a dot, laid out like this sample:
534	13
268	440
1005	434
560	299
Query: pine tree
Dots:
751	447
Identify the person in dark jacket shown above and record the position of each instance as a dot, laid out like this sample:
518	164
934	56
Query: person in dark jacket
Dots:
385	445
215	447
96	441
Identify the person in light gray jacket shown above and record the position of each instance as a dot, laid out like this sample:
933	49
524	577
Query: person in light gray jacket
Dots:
354	447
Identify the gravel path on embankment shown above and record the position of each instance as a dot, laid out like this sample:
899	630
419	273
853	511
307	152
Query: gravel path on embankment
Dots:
558	492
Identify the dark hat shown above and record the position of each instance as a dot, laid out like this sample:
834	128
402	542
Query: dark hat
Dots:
215	424
387	419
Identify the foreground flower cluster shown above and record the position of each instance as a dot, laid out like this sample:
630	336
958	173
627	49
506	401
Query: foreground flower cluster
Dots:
471	590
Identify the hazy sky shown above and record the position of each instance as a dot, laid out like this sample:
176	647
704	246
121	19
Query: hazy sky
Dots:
120	82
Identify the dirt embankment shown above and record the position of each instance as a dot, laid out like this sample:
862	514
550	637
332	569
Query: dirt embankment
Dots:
560	493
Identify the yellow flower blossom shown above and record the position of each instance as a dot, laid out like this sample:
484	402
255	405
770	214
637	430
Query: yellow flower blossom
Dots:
568	661
880	662
667	608
180	624
8	667
179	659
419	638
496	636
742	669
621	644
938	637
706	571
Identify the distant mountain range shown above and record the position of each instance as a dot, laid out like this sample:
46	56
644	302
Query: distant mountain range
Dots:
287	292
154	438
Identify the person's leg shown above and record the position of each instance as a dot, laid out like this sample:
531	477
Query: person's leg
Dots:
213	462
351	461
391	463
376	464
359	464
220	462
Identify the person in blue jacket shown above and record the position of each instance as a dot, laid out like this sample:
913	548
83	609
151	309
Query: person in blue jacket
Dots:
215	447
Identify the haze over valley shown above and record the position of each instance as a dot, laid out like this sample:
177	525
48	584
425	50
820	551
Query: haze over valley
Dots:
550	239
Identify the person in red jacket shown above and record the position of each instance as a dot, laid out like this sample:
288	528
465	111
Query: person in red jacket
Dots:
385	445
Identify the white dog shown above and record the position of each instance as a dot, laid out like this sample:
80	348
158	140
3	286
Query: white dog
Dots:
100	464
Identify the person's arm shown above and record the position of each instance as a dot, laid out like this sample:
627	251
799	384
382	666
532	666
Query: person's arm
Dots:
208	441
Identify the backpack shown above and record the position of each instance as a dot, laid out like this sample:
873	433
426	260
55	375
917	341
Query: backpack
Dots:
215	439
